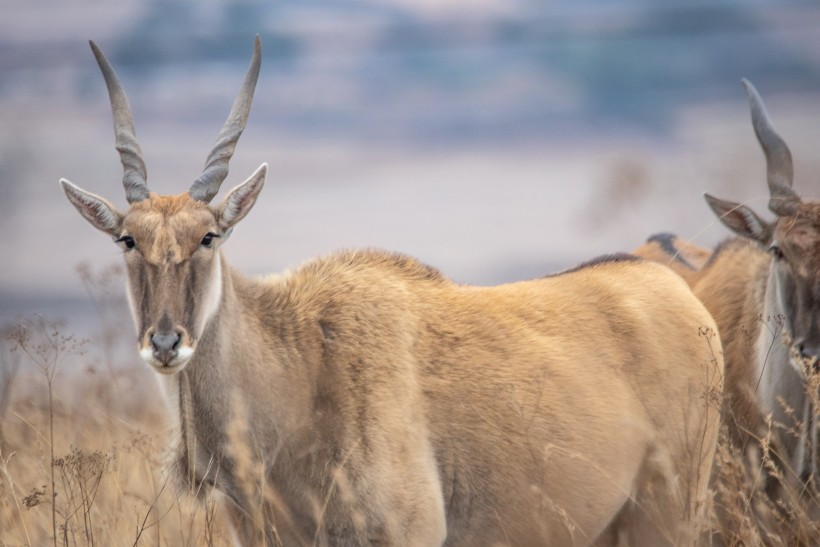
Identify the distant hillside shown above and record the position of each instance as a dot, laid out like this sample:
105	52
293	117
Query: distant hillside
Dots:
389	70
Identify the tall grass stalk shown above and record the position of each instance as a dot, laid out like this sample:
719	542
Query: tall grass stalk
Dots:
44	348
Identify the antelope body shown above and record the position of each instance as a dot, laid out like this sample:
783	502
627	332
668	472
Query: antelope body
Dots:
763	289
364	398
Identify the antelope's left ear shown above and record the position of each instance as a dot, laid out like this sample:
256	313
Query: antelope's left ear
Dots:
740	219
95	209
240	200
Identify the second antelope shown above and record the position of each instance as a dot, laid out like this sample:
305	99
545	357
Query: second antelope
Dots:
364	398
763	289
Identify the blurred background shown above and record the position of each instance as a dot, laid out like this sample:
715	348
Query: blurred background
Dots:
496	140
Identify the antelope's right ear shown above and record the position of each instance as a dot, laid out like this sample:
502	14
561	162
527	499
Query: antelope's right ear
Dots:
740	219
96	210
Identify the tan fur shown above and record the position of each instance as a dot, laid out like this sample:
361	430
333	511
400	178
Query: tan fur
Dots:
366	399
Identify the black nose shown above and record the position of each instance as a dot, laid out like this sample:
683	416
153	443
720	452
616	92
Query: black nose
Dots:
165	345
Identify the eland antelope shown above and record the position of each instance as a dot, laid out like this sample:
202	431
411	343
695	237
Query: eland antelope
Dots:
763	289
364	398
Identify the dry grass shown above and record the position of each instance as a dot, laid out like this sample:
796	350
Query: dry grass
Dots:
83	439
98	479
82	444
744	515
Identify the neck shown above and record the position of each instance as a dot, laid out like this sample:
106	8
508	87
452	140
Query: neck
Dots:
739	289
200	397
782	388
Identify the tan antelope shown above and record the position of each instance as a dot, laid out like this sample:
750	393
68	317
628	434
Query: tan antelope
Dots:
763	289
379	403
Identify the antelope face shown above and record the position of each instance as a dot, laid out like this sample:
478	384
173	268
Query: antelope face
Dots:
171	243
793	240
173	276
795	272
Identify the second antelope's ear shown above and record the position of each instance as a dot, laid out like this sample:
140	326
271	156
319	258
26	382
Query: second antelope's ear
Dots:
240	200
96	210
740	219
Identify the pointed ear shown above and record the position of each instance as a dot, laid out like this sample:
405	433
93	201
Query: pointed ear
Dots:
96	210
740	219
240	200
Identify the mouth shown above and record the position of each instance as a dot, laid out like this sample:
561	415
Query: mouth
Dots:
174	365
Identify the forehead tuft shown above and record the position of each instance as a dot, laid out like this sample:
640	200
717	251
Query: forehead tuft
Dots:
163	209
168	226
169	205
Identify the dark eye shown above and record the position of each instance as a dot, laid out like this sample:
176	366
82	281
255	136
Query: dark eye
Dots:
775	251
128	242
208	240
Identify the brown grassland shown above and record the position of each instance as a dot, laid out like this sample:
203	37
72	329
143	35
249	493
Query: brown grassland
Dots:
82	444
